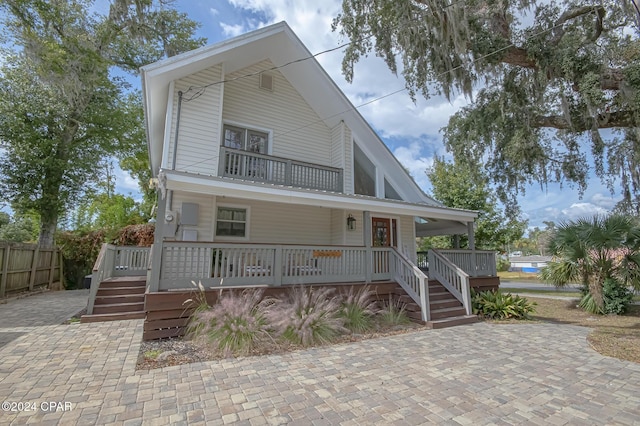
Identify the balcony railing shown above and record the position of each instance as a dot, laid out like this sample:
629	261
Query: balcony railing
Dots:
253	166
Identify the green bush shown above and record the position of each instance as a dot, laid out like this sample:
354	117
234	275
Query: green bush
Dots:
498	305
617	297
502	264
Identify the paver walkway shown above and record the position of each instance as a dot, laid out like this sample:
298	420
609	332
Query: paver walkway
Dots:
17	316
539	374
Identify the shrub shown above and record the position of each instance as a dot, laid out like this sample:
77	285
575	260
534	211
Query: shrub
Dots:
307	316
617	297
498	305
393	312
358	309
235	323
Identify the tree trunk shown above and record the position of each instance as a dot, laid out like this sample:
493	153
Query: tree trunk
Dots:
47	232
595	288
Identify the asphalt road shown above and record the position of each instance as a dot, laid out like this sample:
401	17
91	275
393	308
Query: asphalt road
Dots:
528	285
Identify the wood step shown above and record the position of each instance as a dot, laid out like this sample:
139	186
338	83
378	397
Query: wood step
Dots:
444	295
451	322
446	303
124	298
447	313
118	291
112	317
120	283
118	308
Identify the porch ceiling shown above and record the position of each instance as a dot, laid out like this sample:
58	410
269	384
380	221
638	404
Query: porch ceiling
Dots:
226	187
435	227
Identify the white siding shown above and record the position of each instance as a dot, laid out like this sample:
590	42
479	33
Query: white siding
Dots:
199	127
338	226
355	238
205	213
297	131
276	223
407	240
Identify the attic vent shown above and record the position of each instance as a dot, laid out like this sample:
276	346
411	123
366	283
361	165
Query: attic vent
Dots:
266	82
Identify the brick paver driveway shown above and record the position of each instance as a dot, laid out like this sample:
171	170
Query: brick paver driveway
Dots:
541	374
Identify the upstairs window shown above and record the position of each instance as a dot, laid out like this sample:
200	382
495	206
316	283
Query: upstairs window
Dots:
245	139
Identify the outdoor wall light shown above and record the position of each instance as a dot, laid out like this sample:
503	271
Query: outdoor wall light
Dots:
351	222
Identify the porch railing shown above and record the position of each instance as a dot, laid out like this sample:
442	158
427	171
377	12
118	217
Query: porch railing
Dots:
114	261
476	263
412	280
453	278
228	264
254	166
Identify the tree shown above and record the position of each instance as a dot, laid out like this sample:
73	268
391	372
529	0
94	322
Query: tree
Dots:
455	185
17	229
543	93
594	250
61	109
107	211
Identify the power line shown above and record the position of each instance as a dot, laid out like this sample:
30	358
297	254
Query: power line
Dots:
510	45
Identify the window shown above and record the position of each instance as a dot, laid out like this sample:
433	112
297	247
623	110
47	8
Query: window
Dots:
245	139
231	222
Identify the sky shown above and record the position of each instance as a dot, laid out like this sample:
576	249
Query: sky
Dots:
410	130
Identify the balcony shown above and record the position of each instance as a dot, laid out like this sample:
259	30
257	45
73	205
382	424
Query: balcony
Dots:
245	165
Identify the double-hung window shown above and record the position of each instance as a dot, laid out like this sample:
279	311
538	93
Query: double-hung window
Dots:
231	222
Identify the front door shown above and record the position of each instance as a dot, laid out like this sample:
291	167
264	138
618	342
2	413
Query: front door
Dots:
383	232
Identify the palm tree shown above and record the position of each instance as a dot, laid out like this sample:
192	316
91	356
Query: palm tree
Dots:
591	250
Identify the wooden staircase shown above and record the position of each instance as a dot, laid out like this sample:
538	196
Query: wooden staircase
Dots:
119	298
446	310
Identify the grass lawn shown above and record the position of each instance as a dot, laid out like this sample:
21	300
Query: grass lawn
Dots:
550	291
617	336
518	276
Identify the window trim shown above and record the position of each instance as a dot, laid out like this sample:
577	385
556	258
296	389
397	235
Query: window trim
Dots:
247	127
247	222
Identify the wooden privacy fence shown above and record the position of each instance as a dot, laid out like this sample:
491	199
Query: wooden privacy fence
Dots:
24	267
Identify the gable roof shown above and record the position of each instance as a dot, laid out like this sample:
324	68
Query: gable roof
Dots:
280	45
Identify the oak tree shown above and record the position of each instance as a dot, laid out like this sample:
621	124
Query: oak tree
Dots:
554	85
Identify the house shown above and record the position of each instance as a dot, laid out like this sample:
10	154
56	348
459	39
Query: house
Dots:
530	264
267	175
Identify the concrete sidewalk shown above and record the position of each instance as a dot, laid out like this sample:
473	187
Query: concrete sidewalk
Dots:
501	374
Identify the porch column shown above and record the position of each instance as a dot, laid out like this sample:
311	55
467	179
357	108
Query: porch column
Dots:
472	247
368	257
456	241
155	257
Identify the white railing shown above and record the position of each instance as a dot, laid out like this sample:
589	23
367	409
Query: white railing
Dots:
102	269
254	166
412	280
227	264
116	261
453	278
131	261
475	263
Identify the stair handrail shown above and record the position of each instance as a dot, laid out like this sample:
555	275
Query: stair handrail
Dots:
102	269
452	277
412	280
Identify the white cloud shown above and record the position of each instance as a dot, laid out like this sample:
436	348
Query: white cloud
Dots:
412	157
214	11
604	201
232	30
579	210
